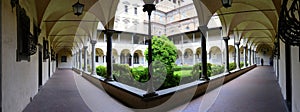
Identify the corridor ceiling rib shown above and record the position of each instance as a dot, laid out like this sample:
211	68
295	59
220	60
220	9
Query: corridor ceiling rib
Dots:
54	16
251	20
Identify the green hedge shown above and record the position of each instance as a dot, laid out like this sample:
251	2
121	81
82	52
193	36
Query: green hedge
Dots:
101	71
232	66
139	73
164	75
196	72
121	73
179	68
217	69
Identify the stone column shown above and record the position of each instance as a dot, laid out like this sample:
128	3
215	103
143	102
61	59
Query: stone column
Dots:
182	58
238	55
249	56
150	90
73	60
144	40
93	42
109	34
80	59
132	59
194	59
204	32
76	60
193	37
85	58
104	59
119	37
226	54
252	57
119	60
255	61
245	56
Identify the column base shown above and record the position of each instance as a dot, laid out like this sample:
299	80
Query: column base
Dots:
150	94
93	74
109	79
207	79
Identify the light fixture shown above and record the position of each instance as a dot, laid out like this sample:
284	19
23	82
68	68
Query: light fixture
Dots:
78	8
226	3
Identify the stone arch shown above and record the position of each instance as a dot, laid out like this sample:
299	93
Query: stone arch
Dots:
242	53
99	56
231	51
138	57
188	56
125	57
115	56
179	58
198	54
215	55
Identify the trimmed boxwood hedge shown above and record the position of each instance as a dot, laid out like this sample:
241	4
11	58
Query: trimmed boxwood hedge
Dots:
137	76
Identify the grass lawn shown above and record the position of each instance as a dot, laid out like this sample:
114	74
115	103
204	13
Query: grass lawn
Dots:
183	73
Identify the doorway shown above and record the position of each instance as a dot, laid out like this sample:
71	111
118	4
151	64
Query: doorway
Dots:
40	64
288	76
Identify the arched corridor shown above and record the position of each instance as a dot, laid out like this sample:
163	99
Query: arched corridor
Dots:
142	52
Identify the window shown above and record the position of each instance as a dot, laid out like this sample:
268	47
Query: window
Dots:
161	19
126	8
174	1
63	58
135	10
103	58
187	27
136	58
97	58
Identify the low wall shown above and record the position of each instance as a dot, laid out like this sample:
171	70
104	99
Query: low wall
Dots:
171	97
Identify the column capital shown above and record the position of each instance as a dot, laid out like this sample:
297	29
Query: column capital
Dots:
85	47
237	43
203	29
149	8
109	32
93	42
226	38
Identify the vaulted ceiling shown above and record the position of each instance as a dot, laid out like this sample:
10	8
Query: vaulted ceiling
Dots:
253	21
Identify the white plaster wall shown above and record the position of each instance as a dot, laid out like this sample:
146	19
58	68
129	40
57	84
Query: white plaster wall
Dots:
45	71
295	79
67	64
282	69
20	79
53	67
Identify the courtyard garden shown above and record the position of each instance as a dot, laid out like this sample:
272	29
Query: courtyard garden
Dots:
165	73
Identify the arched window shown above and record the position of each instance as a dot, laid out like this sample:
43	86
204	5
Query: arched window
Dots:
136	58
126	8
135	11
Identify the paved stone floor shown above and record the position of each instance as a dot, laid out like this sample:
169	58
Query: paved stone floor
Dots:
59	94
255	91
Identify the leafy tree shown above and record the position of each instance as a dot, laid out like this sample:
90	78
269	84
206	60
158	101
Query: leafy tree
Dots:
163	50
164	54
